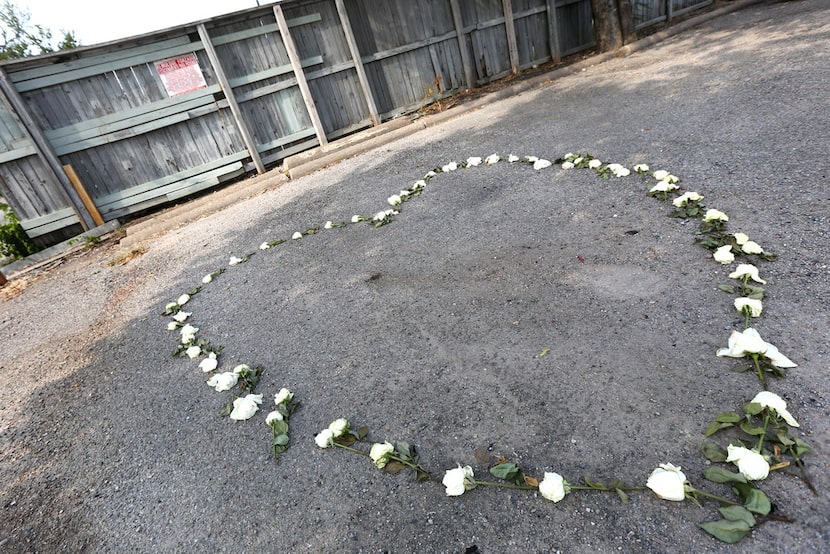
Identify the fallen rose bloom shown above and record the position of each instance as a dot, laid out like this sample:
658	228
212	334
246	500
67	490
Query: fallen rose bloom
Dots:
668	482
752	465
552	487
458	480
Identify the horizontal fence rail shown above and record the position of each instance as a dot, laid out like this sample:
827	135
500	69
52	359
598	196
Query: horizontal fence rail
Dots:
136	123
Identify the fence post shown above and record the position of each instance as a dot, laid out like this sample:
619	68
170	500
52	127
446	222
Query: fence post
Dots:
358	63
44	150
510	28
469	76
247	136
294	57
669	9
553	31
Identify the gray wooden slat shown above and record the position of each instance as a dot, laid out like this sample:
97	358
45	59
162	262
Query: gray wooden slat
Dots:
264	30
273	72
17	154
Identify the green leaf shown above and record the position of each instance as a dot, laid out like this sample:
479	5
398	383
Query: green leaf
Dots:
784	438
753	408
227	409
623	496
727	288
403	450
506	471
757	501
394	467
750	429
714	427
362	432
713	452
281	440
726	530
728	417
279	427
801	447
594	484
738	513
720	475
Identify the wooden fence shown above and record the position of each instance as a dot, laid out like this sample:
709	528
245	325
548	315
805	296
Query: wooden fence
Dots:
649	12
100	132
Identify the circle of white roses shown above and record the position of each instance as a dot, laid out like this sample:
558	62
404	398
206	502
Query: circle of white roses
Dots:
667	481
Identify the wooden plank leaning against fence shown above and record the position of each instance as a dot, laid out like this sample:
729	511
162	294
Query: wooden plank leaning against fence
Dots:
154	118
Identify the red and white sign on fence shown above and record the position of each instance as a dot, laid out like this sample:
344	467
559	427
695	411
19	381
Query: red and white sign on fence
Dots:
181	75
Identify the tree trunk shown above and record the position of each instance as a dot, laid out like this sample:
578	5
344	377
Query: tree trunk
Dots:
626	20
607	27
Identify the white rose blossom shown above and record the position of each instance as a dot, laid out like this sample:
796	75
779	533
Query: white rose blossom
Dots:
724	254
324	438
473	161
567	165
264	246
741	238
459	480
297	235
283	397
210	363
183	299
235	261
685	198
511	158
273	416
553	487
744	271
773	401
171	306
339	427
241	368
182	316
663	186
380	453
452	166
752	247
641	168
668	482
750	342
223	381
172	326
578	160
594	164
492	159
358	218
754	306
207	279
394	200
715	215
619	170
541	164
751	464
189	333
193	352
245	408
531	159
660	174
328	225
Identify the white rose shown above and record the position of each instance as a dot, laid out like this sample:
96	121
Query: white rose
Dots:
750	342
641	168
663	186
357	218
492	159
594	164
223	381
671	178
210	363
273	416
752	247
183	299
755	306
297	235
668	482
578	160
771	400
419	184
245	408
283	397
567	165
172	326
207	278
328	225
452	166
685	198
724	254
324	438
552	487
660	174
715	215
380	453
339	427
474	161
171	306
459	480
181	316
752	465
541	164
747	270
241	368
394	200
531	159
235	261
264	246
430	174
511	158
741	238
193	352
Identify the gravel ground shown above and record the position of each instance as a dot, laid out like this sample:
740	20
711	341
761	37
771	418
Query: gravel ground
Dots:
431	329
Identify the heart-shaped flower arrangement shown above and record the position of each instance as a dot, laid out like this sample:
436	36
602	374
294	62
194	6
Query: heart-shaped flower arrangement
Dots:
760	439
